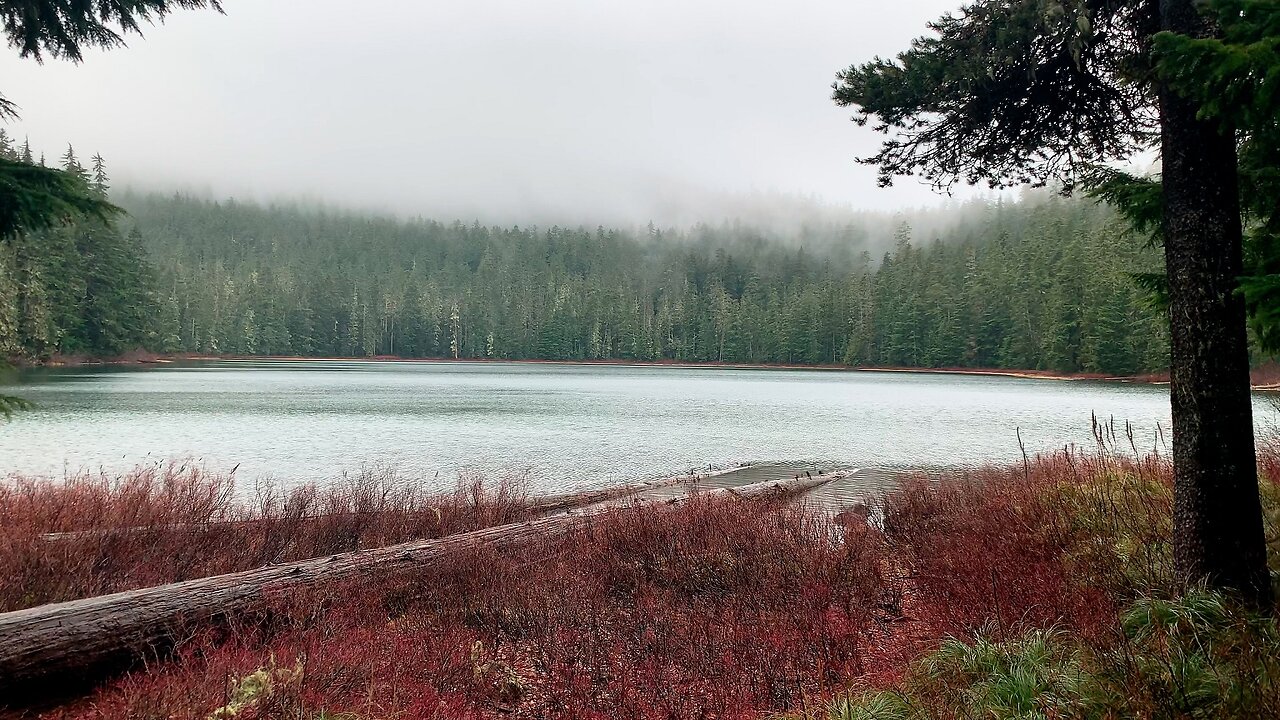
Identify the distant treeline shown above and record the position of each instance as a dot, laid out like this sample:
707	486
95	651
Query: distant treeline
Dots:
1039	284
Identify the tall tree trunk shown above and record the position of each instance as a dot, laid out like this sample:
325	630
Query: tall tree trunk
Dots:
1218	534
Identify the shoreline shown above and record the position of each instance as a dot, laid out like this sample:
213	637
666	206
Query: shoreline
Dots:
1264	378
140	359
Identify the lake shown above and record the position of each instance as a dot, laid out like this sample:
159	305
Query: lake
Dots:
567	426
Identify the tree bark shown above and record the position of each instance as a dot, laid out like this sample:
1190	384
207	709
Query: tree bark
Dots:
61	648
1218	533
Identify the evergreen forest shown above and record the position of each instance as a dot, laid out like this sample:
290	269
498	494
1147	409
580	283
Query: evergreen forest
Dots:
1042	283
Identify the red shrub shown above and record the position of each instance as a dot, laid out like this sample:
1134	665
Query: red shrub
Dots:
91	535
715	609
712	610
1057	541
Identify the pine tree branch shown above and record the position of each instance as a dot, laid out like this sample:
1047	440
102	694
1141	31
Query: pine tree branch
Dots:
64	28
34	198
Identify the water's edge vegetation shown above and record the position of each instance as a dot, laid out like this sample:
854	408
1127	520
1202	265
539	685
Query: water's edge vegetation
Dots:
1043	588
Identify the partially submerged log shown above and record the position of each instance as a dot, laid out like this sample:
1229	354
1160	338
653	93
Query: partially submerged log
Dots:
83	639
547	504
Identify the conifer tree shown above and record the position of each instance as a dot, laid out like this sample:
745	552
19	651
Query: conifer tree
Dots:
33	197
1043	92
71	165
63	29
100	183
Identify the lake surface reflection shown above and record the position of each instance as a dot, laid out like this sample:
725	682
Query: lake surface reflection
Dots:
567	426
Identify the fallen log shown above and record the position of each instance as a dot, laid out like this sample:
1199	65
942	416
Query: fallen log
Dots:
547	504
537	505
41	648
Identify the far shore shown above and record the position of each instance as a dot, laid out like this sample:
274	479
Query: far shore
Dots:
144	358
1265	377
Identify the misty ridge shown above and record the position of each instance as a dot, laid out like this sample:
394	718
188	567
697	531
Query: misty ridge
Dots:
836	232
564	112
1040	283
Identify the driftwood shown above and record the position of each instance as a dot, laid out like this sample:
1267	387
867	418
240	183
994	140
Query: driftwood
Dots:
84	639
546	504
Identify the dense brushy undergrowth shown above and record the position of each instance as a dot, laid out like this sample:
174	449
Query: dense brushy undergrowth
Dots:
1198	656
1060	541
1052	590
714	609
1040	590
95	534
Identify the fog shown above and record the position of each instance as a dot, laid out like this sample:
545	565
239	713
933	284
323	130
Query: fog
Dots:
503	111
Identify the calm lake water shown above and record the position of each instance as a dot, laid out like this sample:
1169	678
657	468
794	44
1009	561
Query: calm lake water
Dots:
566	426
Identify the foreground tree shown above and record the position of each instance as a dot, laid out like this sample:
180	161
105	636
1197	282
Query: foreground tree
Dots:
63	28
34	197
1046	91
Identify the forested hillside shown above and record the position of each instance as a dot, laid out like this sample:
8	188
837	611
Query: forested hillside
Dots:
1036	284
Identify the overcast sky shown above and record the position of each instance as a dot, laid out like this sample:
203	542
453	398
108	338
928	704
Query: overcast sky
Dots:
502	110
